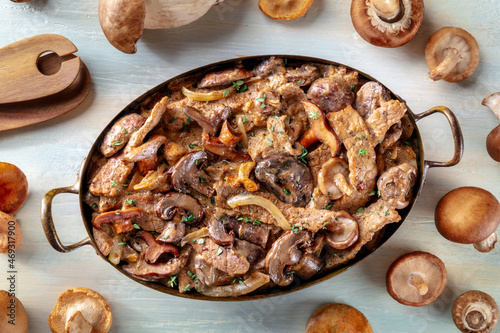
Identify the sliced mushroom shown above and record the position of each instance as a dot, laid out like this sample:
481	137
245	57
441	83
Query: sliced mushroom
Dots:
283	253
186	174
145	270
247	231
320	128
308	266
330	94
209	126
91	305
416	278
215	146
250	251
337	318
369	97
121	219
387	23
493	139
146	150
155	249
208	274
469	215
290	180
452	54
475	311
218	233
333	179
224	77
172	233
173	203
122	22
396	183
344	231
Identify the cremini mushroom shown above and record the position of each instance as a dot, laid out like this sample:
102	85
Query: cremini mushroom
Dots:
284	9
369	97
283	253
338	318
333	178
416	278
452	54
387	23
344	231
11	235
320	129
172	203
396	183
308	266
122	22
13	187
13	316
80	306
187	174
217	147
475	311
155	249
121	220
493	139
469	215
218	233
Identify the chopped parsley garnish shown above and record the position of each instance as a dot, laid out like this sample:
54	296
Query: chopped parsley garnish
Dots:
201	241
287	191
353	87
136	226
118	143
192	275
225	93
314	114
240	85
219	251
122	243
270	142
363	152
244	121
300	81
189	121
212	201
131	202
329	207
113	183
408	143
94	205
262	99
184	127
303	156
172	120
360	209
173	280
192	145
125	131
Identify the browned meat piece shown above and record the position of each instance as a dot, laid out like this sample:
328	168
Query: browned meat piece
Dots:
225	77
303	76
348	77
110	179
146	150
382	118
369	97
246	231
146	201
316	159
370	221
393	135
249	250
174	152
269	66
154	118
291	97
330	94
224	258
396	183
104	238
119	134
142	269
209	275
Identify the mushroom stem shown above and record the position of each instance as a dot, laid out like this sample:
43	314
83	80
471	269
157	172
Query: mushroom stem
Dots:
418	281
486	245
446	66
493	102
386	9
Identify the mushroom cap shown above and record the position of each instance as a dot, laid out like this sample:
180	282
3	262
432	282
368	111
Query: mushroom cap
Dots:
122	22
451	37
8	221
93	307
284	9
13	187
475	311
166	14
467	215
493	143
338	318
12	312
421	265
379	32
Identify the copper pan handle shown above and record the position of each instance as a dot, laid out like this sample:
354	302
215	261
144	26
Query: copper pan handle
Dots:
48	222
456	131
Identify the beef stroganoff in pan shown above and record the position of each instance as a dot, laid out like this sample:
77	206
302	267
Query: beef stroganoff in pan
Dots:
247	178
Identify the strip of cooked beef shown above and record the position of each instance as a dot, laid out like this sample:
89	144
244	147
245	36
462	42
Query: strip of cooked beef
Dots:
110	179
147	201
146	150
224	77
303	75
224	258
382	118
154	118
269	66
119	134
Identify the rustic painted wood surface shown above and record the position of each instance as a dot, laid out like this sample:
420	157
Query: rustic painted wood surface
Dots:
50	154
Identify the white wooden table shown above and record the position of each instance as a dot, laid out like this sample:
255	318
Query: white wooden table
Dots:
50	154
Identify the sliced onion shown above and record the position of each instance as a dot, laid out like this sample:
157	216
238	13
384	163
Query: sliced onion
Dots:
255	281
203	232
241	127
249	199
115	253
208	96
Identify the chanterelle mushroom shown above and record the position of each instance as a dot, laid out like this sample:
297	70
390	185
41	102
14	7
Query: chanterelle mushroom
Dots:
338	318
475	311
387	23
469	215
452	54
416	278
91	305
493	139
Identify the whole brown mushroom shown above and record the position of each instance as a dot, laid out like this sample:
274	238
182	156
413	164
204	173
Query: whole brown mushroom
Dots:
475	311
387	23
469	215
338	318
452	54
11	235
13	316
416	278
493	139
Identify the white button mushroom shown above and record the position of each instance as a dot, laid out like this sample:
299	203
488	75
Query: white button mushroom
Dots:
452	54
